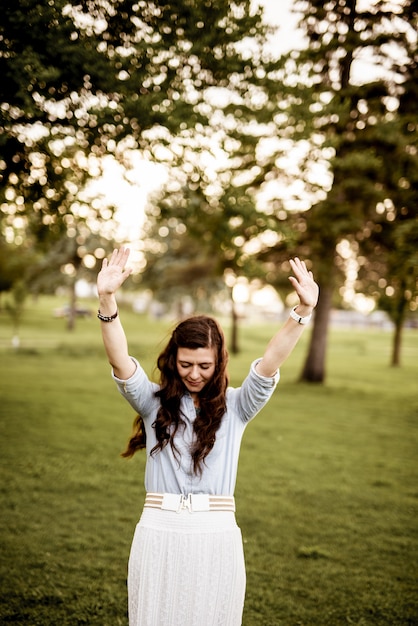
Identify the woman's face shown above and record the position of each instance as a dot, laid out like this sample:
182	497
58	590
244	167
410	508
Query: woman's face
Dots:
195	367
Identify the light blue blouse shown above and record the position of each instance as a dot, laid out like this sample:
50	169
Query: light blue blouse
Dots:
165	473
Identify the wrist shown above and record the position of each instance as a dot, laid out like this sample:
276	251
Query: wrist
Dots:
107	304
301	314
303	310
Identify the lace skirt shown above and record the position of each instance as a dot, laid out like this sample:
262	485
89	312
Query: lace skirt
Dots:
186	569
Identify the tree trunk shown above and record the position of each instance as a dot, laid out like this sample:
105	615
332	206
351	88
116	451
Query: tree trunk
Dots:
396	345
234	349
398	315
314	367
72	310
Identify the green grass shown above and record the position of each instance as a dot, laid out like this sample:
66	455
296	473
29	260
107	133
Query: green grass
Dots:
327	492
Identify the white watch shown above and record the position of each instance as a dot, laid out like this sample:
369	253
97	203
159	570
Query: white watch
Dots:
298	318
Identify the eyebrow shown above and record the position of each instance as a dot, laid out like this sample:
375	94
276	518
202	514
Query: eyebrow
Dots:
186	362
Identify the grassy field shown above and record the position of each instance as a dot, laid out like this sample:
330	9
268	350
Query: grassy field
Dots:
327	493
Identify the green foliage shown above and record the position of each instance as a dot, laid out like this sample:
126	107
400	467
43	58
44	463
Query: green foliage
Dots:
364	126
14	262
315	103
81	80
194	229
90	74
326	493
357	116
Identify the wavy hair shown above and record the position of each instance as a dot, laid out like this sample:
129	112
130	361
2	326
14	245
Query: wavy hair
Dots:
195	332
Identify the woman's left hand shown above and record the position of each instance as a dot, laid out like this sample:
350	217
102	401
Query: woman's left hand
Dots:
303	283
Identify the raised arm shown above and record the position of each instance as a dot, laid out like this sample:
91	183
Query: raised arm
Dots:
112	275
283	342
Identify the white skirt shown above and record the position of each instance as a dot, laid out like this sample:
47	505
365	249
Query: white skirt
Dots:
186	569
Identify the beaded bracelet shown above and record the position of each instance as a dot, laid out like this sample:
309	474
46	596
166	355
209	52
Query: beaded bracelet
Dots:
106	318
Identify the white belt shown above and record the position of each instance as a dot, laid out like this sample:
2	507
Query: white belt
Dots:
193	502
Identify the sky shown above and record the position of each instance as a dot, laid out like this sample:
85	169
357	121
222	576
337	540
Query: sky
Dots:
279	13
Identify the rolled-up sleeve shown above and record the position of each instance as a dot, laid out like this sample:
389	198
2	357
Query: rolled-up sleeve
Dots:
139	391
254	393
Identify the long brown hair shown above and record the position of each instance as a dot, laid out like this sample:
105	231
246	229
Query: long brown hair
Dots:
195	332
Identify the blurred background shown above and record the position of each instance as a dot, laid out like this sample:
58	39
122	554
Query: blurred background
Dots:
216	139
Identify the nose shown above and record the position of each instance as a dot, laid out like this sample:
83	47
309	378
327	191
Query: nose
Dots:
194	374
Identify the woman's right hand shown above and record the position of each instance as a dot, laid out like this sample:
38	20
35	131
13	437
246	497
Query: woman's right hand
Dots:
113	273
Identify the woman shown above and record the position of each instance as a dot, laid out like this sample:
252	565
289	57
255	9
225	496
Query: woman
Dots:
186	566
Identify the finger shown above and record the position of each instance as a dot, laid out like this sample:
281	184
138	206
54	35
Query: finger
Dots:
113	256
117	257
122	257
296	262
298	267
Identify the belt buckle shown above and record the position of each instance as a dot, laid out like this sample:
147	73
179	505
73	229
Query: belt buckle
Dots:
185	503
194	503
200	502
172	502
180	502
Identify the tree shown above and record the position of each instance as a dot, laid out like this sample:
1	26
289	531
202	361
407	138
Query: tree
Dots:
13	265
199	238
388	249
85	79
346	116
15	308
81	80
388	271
68	260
